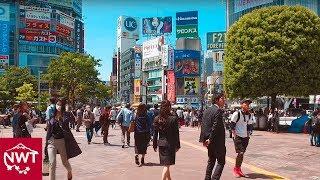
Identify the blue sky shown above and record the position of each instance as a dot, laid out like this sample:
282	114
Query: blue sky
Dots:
100	18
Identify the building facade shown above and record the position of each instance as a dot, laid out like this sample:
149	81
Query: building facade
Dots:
40	30
238	8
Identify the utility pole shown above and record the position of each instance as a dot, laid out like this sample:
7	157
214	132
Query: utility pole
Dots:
39	79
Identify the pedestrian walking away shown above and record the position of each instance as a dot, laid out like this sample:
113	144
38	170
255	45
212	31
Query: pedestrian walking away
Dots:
124	118
60	139
88	119
141	133
79	115
213	137
97	114
241	125
167	130
105	123
113	117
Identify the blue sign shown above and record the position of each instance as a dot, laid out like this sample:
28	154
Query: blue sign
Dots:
186	54
4	37
130	24
187	18
2	11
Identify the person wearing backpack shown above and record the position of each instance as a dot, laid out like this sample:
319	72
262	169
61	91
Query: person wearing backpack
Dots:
241	126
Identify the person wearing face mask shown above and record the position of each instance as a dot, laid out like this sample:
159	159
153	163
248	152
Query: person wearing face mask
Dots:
60	139
241	126
88	119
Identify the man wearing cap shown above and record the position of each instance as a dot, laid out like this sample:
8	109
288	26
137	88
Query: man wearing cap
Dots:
241	126
213	137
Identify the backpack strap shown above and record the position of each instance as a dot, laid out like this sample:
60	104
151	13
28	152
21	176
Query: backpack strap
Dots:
238	116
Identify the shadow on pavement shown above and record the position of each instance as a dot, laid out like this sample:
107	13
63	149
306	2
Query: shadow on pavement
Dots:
152	164
261	176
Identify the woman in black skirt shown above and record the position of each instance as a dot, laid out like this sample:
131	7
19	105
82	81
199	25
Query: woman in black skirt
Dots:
167	129
141	133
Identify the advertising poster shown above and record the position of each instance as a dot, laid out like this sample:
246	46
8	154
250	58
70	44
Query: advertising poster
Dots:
152	48
171	59
37	15
37	35
128	27
65	19
138	62
63	30
137	87
191	86
34	24
4	35
180	86
216	40
171	86
187	24
156	26
187	63
241	5
165	55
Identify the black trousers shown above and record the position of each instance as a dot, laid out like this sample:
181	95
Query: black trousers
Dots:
215	154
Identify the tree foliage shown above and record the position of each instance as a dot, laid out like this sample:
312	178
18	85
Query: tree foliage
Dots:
15	77
70	72
273	51
25	93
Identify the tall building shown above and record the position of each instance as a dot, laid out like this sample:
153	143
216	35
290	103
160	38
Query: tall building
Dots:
127	36
237	8
35	31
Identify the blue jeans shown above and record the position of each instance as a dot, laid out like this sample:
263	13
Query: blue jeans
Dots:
89	132
317	139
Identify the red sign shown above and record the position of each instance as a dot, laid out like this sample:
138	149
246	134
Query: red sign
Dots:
63	30
171	87
21	158
33	24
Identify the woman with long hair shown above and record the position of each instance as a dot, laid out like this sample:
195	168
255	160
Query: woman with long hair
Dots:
166	128
60	139
141	133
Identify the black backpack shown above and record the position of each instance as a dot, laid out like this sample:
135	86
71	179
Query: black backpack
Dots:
239	112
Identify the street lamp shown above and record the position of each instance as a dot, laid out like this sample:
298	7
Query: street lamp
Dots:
39	74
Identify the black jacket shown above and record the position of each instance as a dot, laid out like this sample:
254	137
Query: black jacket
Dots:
169	136
213	127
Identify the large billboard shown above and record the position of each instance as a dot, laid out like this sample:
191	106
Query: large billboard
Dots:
79	36
156	26
187	24
4	35
152	48
191	86
65	19
187	63
241	5
216	40
128	27
34	24
37	15
37	35
171	86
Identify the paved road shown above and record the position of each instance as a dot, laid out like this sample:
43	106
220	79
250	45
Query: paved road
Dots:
269	156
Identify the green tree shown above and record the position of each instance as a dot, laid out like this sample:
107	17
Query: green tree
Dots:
44	99
15	77
273	51
72	71
26	93
103	92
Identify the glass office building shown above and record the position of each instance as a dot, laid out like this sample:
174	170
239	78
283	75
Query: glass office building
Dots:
237	8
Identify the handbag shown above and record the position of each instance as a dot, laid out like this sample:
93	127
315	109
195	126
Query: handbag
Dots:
132	126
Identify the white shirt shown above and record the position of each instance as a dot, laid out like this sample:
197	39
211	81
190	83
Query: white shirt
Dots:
180	113
185	115
113	114
241	125
96	113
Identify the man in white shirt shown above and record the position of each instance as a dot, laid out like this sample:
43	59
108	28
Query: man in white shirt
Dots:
97	114
241	126
113	117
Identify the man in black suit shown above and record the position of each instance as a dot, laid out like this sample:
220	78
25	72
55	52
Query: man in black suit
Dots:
213	137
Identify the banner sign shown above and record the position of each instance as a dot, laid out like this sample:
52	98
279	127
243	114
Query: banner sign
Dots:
152	48
138	63
4	61
171	59
165	55
65	19
191	86
63	30
187	18
79	30
137	87
63	3
156	26
4	12
171	86
37	15
4	37
33	24
216	40
187	24
187	100
187	63
48	37
241	5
